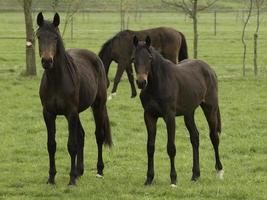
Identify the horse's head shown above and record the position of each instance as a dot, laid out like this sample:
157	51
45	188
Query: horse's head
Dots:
48	37
142	58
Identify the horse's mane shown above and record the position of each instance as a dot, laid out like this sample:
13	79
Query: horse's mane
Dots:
107	46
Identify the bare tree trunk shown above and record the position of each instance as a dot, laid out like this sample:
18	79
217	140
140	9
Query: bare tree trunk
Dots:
190	8
243	38
255	54
73	8
30	39
194	17
258	4
122	15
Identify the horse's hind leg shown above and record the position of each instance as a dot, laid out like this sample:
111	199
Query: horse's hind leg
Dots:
80	141
117	78
51	144
73	119
194	138
211	113
99	134
129	71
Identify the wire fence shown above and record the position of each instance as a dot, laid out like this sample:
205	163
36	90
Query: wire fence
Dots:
219	34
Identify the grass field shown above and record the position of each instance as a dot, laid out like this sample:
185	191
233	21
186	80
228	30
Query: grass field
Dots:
23	154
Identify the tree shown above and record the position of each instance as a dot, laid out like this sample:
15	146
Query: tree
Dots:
72	9
243	37
30	39
258	5
124	7
191	8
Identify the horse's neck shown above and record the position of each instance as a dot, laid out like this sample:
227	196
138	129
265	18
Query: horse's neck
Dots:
157	74
107	59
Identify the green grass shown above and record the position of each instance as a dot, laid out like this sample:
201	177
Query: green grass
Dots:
23	155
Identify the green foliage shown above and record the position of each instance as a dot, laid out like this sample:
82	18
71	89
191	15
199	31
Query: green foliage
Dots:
23	154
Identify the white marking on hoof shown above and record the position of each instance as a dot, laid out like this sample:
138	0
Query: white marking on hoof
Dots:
173	185
112	96
99	176
220	174
109	97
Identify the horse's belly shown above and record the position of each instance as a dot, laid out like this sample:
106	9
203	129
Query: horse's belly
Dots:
56	105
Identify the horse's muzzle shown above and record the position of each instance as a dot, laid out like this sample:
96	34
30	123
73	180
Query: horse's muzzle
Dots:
141	80
47	63
141	84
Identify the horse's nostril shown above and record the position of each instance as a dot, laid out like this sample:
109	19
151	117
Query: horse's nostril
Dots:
141	84
47	62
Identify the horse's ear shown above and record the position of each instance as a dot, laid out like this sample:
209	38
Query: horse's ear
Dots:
40	19
135	41
148	41
56	20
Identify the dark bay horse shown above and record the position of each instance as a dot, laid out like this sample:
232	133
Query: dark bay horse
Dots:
170	90
72	81
169	42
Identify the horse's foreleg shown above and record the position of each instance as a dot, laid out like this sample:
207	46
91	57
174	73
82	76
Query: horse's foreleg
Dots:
73	119
129	71
119	72
171	149
194	138
51	144
80	140
151	125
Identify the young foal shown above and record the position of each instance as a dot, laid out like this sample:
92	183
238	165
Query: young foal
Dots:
170	90
72	81
170	42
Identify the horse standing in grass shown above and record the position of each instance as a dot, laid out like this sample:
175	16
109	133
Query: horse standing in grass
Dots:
169	42
72	81
170	90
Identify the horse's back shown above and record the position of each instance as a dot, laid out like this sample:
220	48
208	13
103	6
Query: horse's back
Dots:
166	40
84	58
198	75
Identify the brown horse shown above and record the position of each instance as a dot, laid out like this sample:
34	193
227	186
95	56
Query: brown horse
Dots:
72	81
169	42
170	90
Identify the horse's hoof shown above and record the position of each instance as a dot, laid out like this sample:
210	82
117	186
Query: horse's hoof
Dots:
79	172
111	96
148	182
195	178
133	95
220	174
72	183
51	181
173	185
99	176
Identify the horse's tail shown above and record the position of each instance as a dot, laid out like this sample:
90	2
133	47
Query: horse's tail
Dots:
219	124
106	128
183	54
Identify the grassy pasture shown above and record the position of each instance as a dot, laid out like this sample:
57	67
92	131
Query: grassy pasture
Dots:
23	155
